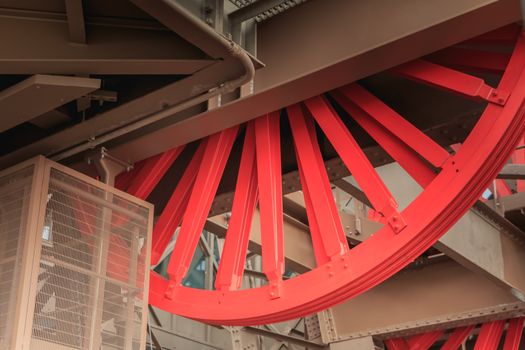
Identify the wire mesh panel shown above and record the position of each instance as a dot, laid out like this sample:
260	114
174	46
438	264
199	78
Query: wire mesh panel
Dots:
91	278
15	190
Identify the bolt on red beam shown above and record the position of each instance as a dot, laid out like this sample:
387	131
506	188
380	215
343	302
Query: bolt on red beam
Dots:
216	154
407	158
319	199
451	80
489	335
172	214
355	160
268	146
231	264
423	341
514	333
457	337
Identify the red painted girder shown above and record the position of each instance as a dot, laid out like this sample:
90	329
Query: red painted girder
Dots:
268	148
396	344
171	216
519	158
451	80
407	158
329	239
216	154
457	337
471	59
231	265
152	172
396	124
84	220
123	180
355	160
489	335
514	333
502	188
423	341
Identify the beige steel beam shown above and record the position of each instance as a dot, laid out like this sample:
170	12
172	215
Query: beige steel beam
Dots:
512	172
75	21
476	241
436	296
112	49
321	45
40	94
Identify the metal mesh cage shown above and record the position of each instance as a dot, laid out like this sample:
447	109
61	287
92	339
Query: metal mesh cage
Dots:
73	261
93	259
15	190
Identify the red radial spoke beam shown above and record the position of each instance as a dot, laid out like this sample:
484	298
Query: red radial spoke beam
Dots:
451	80
514	333
457	337
396	124
152	172
123	180
216	154
171	216
356	161
423	341
231	265
329	238
489	335
519	158
471	59
268	147
407	158
396	344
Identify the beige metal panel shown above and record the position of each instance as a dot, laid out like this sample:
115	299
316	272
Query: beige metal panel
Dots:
75	21
40	94
483	247
320	45
111	50
439	295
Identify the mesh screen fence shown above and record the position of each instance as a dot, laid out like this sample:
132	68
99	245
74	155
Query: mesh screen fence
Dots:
92	269
15	190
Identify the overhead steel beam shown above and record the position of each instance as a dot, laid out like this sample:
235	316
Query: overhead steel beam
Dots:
435	296
75	21
308	51
40	94
111	50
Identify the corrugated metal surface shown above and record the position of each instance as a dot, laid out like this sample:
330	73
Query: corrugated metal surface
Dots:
285	5
91	278
15	190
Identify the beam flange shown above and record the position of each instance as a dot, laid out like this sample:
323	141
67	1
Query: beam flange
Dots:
40	94
75	21
436	296
111	50
512	172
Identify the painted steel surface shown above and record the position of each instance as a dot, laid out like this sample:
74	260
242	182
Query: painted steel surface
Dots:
452	182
